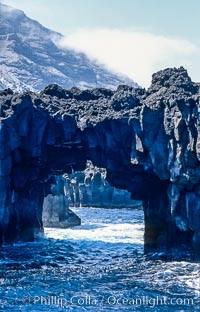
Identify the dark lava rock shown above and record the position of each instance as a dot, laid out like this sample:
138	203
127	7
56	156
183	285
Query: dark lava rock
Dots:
172	78
149	142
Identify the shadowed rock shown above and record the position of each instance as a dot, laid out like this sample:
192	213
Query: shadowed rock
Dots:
56	212
149	142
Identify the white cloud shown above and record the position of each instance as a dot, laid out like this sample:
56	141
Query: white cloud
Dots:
135	53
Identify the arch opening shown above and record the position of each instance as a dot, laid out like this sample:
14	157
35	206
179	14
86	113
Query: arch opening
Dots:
84	206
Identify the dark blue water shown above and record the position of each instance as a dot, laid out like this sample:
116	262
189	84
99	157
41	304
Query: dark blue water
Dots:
99	266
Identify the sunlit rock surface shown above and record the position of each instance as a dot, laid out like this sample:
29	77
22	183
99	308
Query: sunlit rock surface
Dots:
149	142
89	188
56	212
31	57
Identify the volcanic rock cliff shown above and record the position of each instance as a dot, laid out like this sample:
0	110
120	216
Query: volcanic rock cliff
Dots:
149	142
89	188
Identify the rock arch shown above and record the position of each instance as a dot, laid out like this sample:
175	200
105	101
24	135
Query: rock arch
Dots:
149	142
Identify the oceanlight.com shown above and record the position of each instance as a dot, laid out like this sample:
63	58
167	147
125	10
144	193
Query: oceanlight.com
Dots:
111	300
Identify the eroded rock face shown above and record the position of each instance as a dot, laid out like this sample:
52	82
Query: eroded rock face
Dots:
89	188
56	212
149	142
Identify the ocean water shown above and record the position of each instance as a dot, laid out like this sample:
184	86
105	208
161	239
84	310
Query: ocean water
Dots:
99	266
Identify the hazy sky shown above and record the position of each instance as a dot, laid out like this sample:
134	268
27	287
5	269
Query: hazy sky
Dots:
134	37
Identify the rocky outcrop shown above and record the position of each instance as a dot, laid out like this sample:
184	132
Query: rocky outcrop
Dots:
148	141
56	212
89	188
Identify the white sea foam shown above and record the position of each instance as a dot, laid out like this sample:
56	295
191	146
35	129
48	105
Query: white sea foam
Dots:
109	233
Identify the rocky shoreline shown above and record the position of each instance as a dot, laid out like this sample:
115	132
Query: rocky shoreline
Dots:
148	141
